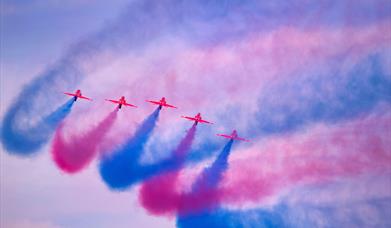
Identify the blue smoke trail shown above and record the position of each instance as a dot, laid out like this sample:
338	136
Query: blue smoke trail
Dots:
211	176
303	215
203	195
260	218
123	169
303	102
118	169
19	141
293	106
304	207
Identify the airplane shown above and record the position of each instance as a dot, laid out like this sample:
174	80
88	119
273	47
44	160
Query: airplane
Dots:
162	103
197	119
233	136
77	94
121	102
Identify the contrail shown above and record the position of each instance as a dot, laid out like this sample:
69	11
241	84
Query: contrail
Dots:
78	152
26	141
117	169
158	194
161	196
204	195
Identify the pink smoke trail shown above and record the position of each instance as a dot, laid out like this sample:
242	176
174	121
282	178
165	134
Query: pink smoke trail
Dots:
78	152
204	194
158	194
360	147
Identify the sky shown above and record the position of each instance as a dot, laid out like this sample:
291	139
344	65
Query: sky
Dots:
307	83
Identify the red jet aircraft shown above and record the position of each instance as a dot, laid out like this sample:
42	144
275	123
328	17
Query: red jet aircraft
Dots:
233	136
162	103
77	94
197	119
121	102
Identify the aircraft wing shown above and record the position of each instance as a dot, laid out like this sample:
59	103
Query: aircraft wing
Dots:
242	139
83	97
204	121
114	101
154	102
126	104
70	94
189	118
225	136
170	106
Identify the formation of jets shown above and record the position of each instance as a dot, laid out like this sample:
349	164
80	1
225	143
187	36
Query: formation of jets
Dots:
161	103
